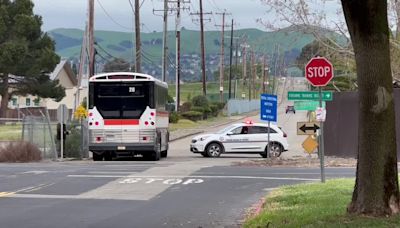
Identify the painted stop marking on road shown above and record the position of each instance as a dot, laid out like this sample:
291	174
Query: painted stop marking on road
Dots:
319	71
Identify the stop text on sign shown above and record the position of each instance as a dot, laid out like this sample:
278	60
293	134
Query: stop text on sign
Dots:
319	71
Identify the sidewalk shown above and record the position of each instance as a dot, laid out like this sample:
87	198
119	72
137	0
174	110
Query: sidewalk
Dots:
183	133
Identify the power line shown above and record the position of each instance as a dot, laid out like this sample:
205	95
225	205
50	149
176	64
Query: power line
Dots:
111	18
99	46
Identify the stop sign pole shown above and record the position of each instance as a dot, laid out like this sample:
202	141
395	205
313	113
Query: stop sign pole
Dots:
319	71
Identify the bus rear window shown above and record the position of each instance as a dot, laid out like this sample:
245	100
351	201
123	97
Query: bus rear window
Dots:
121	100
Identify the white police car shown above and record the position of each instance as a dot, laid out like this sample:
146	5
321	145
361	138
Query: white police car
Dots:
247	137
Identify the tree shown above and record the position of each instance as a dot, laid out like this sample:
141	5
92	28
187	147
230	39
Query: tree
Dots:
117	65
376	190
27	55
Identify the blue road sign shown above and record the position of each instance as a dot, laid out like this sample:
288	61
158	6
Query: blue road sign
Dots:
269	104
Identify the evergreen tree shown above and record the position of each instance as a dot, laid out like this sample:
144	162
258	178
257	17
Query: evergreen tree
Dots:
27	55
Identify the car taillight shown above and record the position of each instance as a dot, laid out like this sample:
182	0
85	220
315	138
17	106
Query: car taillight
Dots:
284	135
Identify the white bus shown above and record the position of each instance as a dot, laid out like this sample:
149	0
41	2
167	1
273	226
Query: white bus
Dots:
127	116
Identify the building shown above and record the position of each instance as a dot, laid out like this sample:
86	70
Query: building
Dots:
67	79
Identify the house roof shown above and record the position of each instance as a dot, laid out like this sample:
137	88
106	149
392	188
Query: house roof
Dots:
64	64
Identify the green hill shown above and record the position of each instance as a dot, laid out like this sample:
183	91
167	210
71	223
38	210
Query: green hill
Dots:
119	44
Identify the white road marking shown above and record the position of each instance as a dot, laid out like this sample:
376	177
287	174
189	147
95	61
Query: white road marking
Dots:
35	172
204	177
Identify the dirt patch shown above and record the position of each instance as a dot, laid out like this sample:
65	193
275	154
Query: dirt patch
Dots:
300	162
19	151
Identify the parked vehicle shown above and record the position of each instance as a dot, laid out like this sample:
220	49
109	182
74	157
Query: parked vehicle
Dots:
247	137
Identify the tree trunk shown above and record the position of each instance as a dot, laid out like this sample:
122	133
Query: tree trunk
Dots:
376	190
5	96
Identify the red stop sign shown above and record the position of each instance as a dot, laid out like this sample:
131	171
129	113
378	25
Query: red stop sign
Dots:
319	71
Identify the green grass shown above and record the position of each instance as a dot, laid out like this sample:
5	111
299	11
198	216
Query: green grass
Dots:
196	88
315	205
10	132
188	124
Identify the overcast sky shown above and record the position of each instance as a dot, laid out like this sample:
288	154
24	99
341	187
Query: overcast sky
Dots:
117	15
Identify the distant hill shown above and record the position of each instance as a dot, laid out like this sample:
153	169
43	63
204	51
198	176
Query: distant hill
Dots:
119	44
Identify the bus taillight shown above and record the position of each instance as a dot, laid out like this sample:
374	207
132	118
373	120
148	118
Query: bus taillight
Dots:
96	123
146	123
152	113
144	138
98	139
152	123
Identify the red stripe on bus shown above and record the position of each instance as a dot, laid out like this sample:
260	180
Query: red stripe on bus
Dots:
121	122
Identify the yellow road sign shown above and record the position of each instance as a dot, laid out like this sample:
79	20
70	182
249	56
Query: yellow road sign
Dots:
310	144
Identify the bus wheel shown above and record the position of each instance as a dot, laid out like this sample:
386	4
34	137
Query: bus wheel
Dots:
164	153
155	155
97	157
108	156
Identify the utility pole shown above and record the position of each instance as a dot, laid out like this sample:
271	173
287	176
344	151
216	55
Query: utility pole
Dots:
254	70
137	36
165	47
230	61
91	39
222	61
244	66
203	60
178	53
263	74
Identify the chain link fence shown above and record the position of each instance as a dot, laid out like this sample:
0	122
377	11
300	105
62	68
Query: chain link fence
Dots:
43	133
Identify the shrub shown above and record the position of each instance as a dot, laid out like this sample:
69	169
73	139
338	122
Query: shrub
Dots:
204	110
193	115
197	109
20	151
173	117
186	106
220	105
214	109
73	143
200	101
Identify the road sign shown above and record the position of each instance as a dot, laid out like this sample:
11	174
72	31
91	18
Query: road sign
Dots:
62	113
307	105
309	95
309	144
269	107
307	128
319	71
320	114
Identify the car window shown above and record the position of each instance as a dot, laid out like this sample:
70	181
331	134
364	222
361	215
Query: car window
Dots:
260	130
237	130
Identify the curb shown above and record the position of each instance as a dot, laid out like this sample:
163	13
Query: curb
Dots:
217	125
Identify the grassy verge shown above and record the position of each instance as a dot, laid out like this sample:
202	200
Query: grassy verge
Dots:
10	132
188	124
314	205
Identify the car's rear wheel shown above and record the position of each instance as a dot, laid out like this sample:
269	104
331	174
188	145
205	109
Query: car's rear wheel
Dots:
214	150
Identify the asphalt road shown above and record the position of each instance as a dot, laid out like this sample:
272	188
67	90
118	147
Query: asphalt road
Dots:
184	190
198	193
